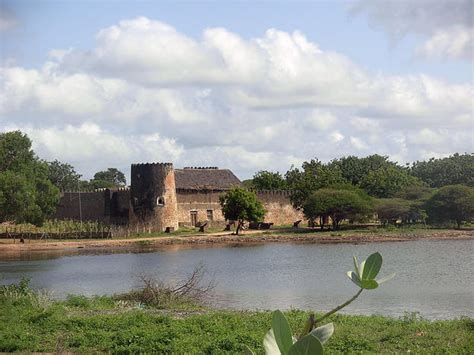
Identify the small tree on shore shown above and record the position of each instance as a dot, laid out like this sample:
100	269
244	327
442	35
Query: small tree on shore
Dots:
241	205
338	204
453	203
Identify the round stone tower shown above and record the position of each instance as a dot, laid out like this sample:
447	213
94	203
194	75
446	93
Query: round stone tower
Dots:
153	196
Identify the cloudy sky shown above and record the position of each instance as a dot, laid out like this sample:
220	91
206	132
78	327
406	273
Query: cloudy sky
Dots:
241	85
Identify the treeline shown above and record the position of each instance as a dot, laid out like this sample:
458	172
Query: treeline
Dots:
436	191
30	187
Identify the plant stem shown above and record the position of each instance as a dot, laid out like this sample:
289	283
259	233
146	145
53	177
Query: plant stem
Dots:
338	307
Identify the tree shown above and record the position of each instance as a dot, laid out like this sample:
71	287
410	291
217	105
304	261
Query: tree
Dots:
313	176
386	182
241	205
111	177
63	176
453	170
454	203
26	193
390	210
268	180
338	204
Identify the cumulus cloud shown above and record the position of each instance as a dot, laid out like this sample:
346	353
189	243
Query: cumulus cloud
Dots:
448	24
8	18
146	92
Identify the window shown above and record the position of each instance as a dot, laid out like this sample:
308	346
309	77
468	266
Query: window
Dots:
160	201
194	218
210	216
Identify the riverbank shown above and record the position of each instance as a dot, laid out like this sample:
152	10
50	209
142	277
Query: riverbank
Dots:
248	237
33	323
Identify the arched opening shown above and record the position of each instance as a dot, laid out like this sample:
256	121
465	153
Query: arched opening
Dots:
160	201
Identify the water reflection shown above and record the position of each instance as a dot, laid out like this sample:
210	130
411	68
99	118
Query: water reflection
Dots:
433	277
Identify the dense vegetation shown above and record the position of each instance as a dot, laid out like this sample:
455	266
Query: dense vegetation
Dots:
31	322
29	187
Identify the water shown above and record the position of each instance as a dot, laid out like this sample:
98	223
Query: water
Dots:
433	278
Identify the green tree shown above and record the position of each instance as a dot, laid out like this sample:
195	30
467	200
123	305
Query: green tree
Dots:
241	205
314	175
63	176
268	180
111	177
26	193
453	170
453	203
387	181
390	210
338	204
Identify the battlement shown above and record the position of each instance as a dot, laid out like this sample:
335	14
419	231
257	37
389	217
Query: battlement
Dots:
272	192
125	188
201	167
154	164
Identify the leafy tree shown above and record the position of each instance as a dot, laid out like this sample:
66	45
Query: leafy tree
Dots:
454	203
63	176
386	182
111	177
26	193
389	210
241	205
338	204
313	176
453	170
268	180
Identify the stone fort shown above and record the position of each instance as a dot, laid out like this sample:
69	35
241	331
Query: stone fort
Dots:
162	197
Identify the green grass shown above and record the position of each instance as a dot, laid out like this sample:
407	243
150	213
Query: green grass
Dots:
30	322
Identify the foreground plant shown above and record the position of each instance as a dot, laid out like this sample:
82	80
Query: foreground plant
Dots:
280	340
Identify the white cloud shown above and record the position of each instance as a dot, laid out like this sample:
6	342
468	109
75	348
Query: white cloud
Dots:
448	24
147	92
455	42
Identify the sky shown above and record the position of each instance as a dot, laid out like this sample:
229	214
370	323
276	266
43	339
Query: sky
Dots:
244	85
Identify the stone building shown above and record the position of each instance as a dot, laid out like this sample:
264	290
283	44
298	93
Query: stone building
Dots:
163	197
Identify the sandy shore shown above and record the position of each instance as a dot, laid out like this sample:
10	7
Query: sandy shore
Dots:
246	238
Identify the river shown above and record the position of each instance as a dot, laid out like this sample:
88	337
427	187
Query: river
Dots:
433	277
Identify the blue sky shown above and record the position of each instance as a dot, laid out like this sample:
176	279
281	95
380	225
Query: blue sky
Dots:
408	65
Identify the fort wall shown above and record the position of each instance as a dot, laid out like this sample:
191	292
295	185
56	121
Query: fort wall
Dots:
204	203
92	204
279	209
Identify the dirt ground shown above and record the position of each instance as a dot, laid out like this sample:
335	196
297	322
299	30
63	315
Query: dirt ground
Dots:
249	237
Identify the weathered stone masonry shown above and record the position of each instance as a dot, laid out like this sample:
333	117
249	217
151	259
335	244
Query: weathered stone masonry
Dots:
161	196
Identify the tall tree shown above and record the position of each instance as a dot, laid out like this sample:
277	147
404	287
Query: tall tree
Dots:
268	180
63	176
314	175
26	193
453	170
453	203
111	177
241	205
338	204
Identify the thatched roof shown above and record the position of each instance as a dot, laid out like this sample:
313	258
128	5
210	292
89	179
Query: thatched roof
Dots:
205	179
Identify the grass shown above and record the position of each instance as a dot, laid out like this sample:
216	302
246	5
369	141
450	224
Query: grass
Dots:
30	322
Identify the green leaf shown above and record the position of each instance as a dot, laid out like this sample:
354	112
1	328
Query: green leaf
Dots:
386	278
324	332
361	269
282	332
270	345
248	351
308	345
354	278
369	284
356	265
372	266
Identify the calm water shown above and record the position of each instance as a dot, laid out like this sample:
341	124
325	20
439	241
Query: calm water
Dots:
434	278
